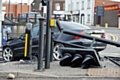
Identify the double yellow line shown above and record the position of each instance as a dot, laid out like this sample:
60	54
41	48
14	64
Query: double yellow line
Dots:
114	37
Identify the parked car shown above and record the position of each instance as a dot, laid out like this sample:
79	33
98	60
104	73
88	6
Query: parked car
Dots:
15	48
31	16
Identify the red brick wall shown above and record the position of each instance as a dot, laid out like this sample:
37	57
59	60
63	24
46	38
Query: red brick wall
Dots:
16	8
57	1
36	6
105	2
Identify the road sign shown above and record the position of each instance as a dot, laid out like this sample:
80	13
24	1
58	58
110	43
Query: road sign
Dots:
100	11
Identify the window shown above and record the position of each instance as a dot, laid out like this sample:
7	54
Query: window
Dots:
88	18
88	4
77	5
72	6
57	6
82	5
64	7
35	31
69	7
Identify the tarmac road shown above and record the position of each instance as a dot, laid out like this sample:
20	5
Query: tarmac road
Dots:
86	78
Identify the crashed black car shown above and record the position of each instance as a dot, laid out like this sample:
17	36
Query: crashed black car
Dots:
15	48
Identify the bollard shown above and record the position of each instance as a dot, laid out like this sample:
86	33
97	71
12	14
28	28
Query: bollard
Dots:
106	25
27	49
119	26
35	18
27	18
19	17
41	44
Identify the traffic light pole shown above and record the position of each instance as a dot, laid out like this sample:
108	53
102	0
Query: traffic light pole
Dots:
41	44
48	35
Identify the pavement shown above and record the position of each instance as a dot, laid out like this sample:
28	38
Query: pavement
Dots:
30	70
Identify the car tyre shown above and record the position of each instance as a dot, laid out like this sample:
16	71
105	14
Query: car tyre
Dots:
7	54
56	55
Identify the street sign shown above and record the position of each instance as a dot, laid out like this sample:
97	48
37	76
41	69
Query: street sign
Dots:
100	11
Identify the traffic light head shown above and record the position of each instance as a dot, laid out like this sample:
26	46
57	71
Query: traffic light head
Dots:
78	57
77	60
66	59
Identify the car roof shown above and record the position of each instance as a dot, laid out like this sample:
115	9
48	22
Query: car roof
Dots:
73	25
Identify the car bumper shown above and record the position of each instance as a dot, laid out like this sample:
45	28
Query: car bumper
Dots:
88	43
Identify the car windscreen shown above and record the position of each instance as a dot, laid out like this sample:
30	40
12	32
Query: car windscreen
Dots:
73	25
35	30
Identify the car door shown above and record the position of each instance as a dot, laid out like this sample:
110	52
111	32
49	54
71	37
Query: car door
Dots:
35	38
20	42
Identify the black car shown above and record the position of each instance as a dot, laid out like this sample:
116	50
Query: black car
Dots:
15	48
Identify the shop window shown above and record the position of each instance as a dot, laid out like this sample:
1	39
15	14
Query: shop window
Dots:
88	20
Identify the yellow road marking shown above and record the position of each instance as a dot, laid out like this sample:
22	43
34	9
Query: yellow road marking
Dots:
115	37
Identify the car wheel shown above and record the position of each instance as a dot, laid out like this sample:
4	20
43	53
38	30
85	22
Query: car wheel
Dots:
56	54
7	54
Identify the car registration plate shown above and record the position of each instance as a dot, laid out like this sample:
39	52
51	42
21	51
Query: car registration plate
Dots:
96	35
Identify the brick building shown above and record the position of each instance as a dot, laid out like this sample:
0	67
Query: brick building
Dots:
15	9
58	7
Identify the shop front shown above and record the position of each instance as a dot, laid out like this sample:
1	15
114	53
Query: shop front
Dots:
111	16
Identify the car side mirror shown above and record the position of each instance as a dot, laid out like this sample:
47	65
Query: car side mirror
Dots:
22	37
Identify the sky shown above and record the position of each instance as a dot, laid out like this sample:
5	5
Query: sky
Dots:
18	1
116	0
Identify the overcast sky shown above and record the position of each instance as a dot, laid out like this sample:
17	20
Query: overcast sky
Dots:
18	1
116	0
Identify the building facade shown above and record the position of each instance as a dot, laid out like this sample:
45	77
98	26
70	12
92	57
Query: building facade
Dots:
81	11
87	12
58	7
15	9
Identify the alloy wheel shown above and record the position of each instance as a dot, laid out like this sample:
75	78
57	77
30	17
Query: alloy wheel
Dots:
7	54
56	54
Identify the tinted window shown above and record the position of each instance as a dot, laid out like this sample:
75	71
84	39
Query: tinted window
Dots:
73	25
35	31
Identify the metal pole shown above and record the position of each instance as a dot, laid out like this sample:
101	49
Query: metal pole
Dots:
21	8
48	36
28	11
52	45
1	28
41	44
9	9
71	11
